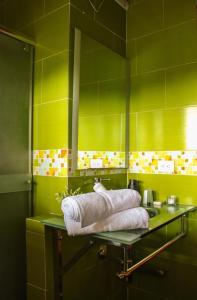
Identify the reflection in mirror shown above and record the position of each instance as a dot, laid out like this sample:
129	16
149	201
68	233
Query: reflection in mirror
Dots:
102	88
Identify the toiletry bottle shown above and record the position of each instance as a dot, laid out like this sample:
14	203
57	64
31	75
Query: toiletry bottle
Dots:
134	185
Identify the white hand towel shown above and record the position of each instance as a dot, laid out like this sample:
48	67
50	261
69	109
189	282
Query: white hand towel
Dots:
119	200
92	207
128	219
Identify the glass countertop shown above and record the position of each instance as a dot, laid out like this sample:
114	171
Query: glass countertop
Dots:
166	215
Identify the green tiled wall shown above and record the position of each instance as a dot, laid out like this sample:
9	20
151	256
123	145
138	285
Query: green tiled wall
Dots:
161	44
162	47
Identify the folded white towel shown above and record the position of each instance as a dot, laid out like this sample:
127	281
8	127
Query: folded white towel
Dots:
92	207
128	219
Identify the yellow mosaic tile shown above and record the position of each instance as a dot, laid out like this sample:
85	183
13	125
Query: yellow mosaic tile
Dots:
185	162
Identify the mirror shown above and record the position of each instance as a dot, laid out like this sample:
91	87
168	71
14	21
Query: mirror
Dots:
100	100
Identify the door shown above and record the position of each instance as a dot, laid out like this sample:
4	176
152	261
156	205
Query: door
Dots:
16	60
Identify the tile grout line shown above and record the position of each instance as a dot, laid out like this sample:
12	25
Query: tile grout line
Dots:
161	30
53	101
165	109
166	68
43	17
99	23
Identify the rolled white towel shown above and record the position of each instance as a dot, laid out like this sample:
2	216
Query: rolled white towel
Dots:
92	207
128	219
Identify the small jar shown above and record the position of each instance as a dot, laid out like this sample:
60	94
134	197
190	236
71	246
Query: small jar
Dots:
172	200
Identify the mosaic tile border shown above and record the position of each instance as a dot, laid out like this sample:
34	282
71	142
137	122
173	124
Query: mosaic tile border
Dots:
101	159
53	162
57	162
163	162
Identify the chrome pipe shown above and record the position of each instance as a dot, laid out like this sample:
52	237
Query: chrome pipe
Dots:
125	274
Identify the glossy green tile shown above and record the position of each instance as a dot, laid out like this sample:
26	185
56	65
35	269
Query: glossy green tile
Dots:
51	5
113	95
144	17
150	49
84	6
105	128
37	82
116	13
165	185
184	249
89	99
94	30
132	132
45	202
147	92
34	225
28	12
51	33
132	55
185	10
102	64
119	45
181	86
35	293
55	78
179	278
150	54
51	125
35	259
163	129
